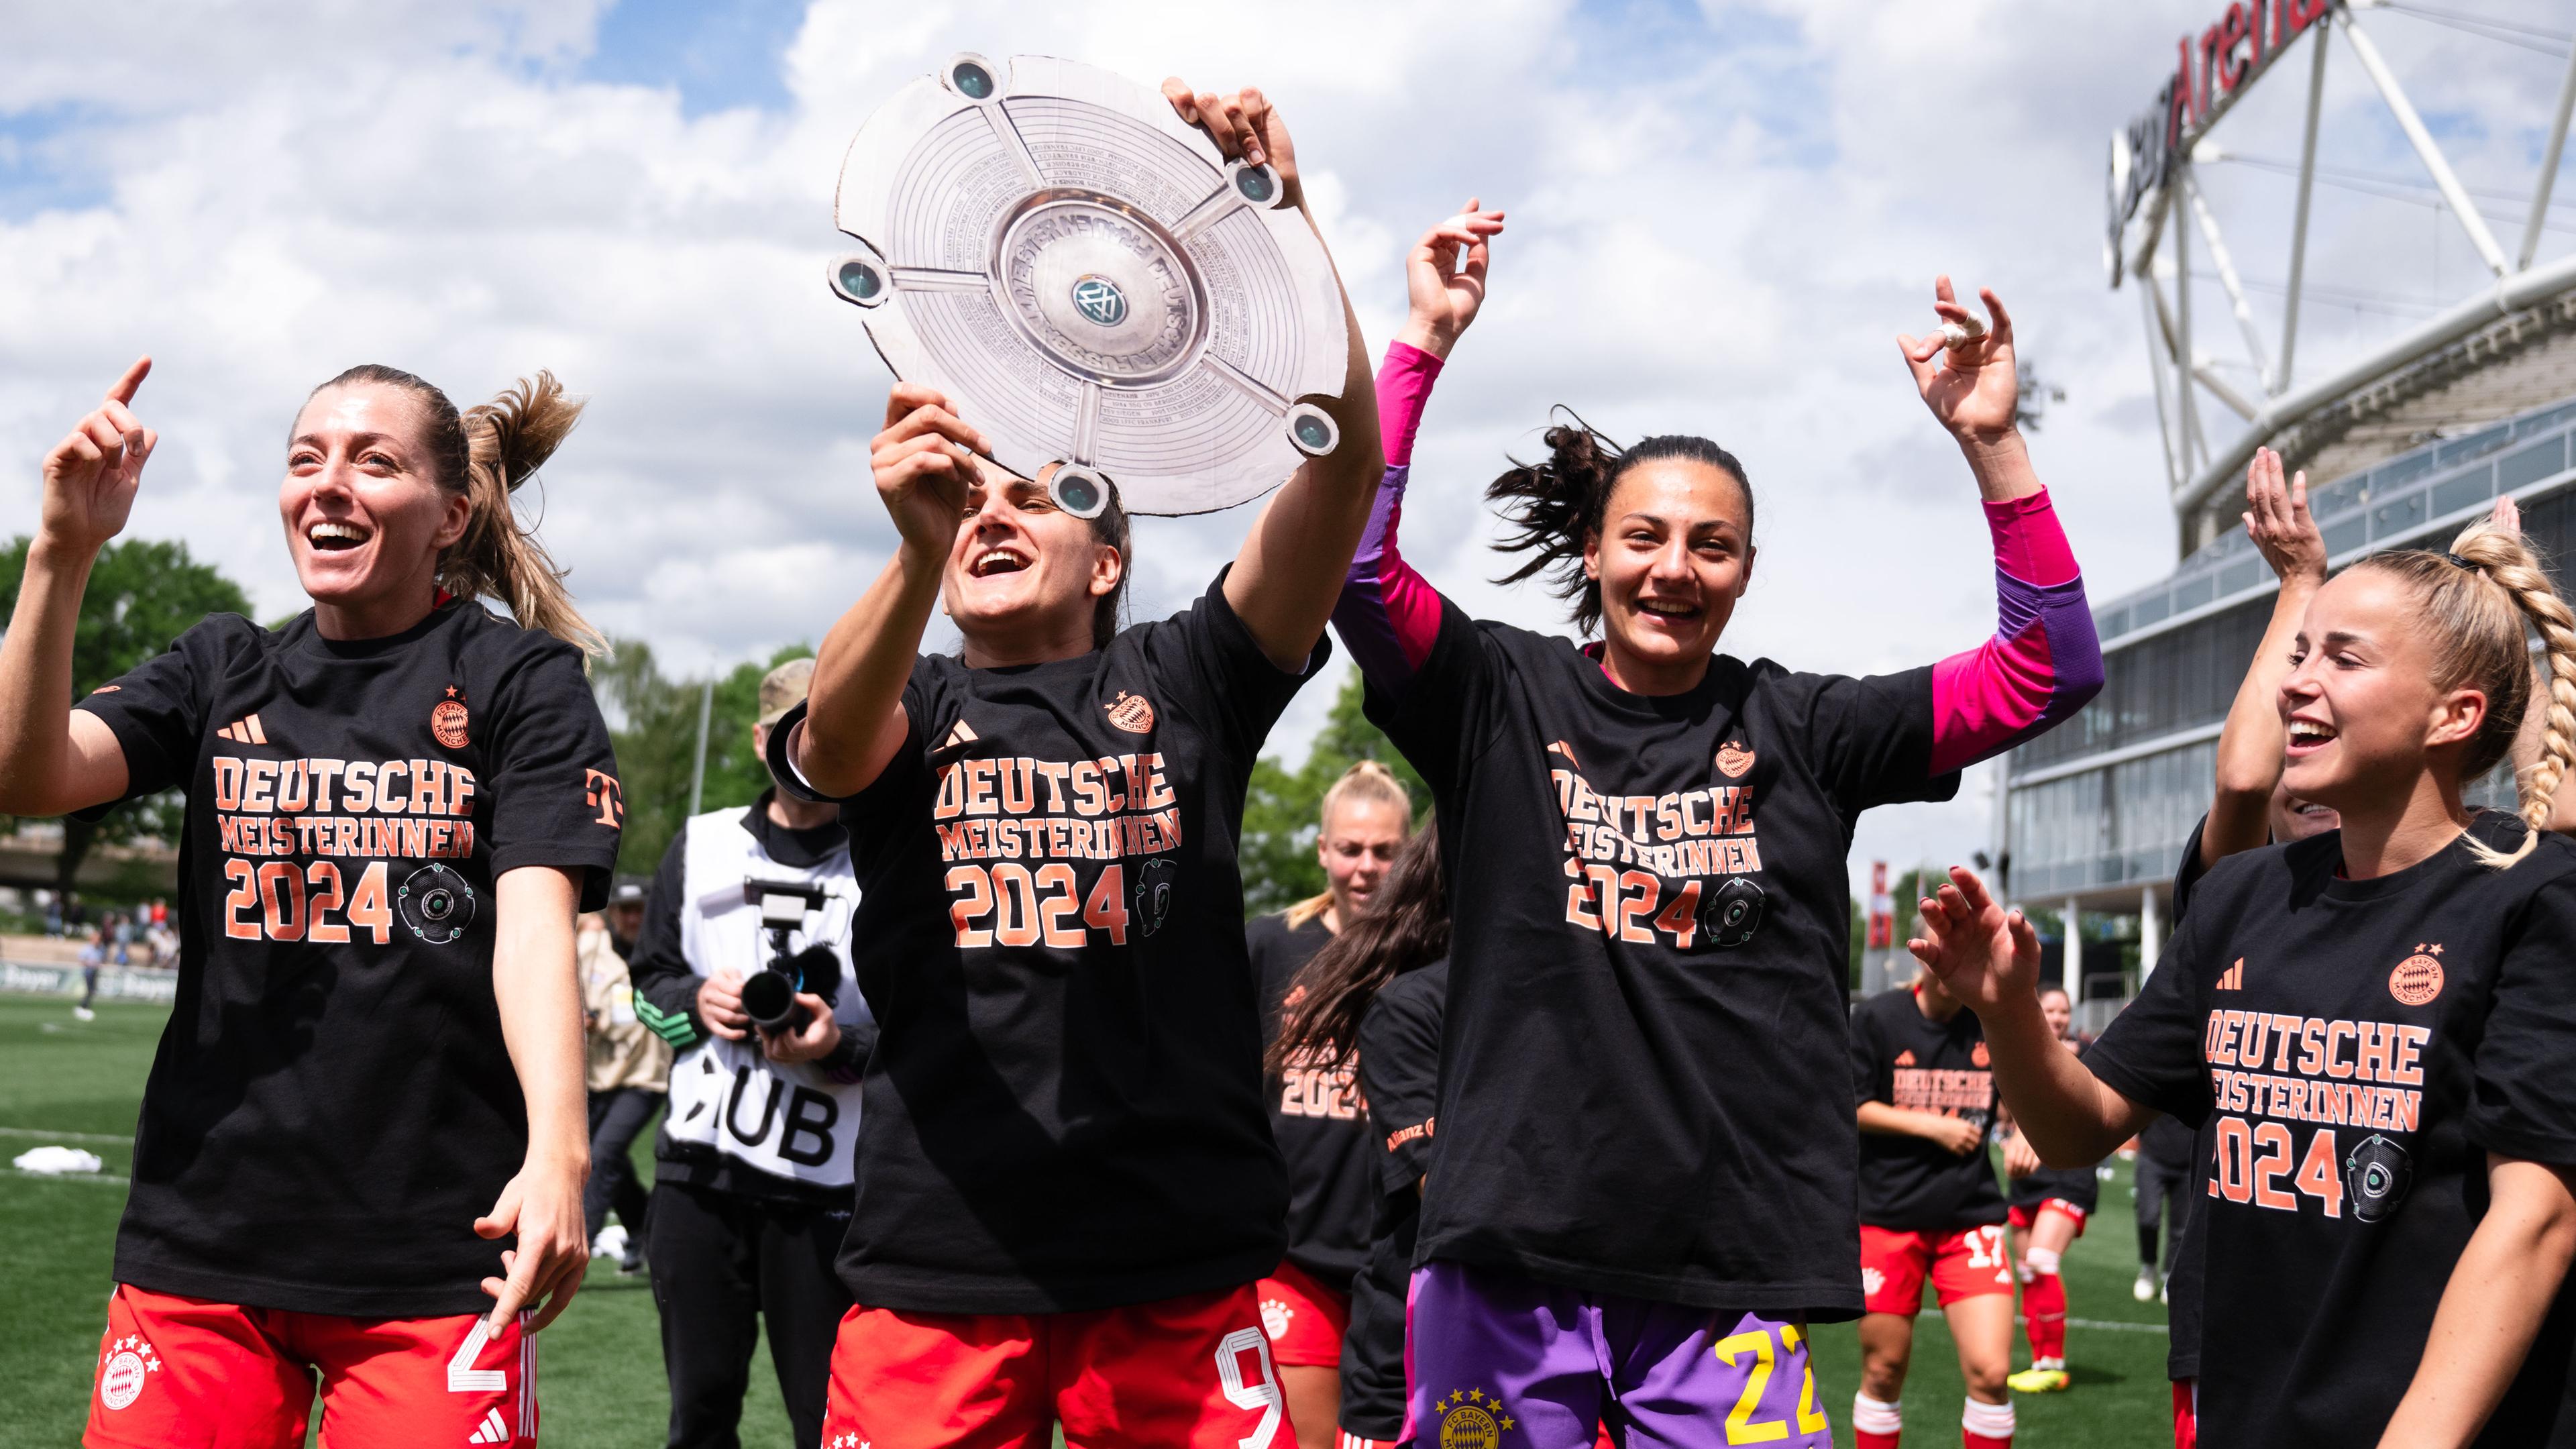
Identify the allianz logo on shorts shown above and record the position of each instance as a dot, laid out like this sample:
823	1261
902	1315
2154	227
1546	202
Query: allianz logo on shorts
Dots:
124	1368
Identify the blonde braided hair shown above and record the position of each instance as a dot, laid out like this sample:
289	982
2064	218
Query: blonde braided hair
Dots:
2477	599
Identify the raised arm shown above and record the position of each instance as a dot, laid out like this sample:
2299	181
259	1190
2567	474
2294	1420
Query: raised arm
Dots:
854	721
2250	744
54	759
1388	614
1290	568
1989	958
2044	661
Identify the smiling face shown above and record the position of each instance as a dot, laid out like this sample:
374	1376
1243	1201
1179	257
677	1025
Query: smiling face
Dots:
2363	715
1673	555
2057	1011
1024	574
1358	842
364	513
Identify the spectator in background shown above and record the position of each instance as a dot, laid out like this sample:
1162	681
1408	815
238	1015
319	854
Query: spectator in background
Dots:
629	1069
90	956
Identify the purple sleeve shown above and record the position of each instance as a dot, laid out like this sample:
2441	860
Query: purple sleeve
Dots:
1388	615
2044	662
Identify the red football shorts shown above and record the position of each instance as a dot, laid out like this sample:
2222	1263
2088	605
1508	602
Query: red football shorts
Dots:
2186	1413
1179	1373
2023	1218
1969	1263
175	1370
1304	1318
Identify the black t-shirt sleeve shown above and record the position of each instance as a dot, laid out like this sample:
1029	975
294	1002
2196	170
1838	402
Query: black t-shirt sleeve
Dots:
664	983
554	790
158	708
2525	1092
1221	675
2152	1052
1871	739
1400	1076
1443	715
917	704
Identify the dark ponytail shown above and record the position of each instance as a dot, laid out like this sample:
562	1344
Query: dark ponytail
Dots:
1555	507
1111	528
1405	928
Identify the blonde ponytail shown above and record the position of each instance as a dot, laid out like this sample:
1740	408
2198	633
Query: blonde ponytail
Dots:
1367	781
485	453
2477	600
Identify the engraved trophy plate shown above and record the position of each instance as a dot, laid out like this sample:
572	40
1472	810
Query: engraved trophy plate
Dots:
1091	282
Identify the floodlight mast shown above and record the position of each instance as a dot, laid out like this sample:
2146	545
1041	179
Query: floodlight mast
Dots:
2154	181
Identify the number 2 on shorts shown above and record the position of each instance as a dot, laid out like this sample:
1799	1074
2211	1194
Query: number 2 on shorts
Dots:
1740	1425
1264	1395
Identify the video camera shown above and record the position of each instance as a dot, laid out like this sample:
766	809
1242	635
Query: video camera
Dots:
769	994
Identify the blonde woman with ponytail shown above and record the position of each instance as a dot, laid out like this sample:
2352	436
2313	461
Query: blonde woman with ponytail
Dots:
1315	1108
2375	1024
362	1145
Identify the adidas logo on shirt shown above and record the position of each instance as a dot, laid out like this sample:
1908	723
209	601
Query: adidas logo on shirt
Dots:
1905	1058
244	731
963	733
2233	978
494	1431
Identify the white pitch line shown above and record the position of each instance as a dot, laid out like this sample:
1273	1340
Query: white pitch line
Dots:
127	1141
2115	1325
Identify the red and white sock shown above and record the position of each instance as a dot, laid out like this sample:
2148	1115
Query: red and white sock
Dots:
2043	1307
1986	1426
1875	1425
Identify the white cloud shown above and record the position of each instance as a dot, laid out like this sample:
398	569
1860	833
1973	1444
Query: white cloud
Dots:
1719	219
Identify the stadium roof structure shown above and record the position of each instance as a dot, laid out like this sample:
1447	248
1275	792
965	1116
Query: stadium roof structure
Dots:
2505	347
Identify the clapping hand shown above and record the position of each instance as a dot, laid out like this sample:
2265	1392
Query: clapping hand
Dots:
92	474
1984	954
1972	387
1444	278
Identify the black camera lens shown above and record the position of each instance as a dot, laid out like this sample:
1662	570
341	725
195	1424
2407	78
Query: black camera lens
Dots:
769	998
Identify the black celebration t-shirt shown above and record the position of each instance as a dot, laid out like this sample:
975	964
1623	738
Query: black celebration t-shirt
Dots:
1400	1071
2358	1047
1064	1110
332	1104
1646	1086
1318	1118
1906	1059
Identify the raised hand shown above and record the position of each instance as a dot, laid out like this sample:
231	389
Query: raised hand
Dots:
1973	389
92	474
923	460
2276	518
1983	953
1243	125
1444	278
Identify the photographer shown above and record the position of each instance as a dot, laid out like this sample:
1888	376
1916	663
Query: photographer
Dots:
752	1189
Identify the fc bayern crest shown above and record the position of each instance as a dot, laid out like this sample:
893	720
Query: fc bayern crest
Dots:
1091	282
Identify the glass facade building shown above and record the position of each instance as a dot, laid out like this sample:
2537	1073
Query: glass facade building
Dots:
2097	811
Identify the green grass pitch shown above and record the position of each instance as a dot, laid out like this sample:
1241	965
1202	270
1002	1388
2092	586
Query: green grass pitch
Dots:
600	1367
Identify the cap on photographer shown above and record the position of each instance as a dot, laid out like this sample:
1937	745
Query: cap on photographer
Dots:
752	1186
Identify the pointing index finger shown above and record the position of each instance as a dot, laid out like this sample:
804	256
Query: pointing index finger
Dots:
123	391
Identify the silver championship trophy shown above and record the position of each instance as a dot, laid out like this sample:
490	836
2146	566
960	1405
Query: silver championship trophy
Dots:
1092	284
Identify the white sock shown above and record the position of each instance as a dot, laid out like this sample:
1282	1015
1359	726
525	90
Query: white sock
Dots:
2042	1260
1994	1421
1869	1416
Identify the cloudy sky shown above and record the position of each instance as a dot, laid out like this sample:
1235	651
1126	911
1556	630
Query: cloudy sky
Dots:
1720	215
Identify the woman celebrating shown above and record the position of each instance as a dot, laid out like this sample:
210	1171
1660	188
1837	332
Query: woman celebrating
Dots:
374	1068
2374	1023
1067	1188
1646	1148
1377	986
1316	1111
